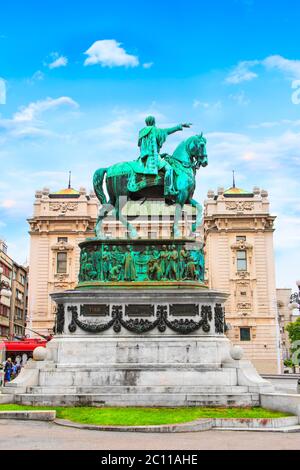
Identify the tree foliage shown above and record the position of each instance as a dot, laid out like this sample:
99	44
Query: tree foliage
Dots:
293	330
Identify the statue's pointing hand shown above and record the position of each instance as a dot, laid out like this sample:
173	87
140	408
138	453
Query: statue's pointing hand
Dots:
187	124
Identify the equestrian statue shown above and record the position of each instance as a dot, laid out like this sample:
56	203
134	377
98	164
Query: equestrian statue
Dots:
153	175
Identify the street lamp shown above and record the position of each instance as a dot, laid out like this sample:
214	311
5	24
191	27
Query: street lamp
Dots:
295	299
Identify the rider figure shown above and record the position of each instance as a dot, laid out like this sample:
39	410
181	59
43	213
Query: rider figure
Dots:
151	140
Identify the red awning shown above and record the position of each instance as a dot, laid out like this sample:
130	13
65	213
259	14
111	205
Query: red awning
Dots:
23	346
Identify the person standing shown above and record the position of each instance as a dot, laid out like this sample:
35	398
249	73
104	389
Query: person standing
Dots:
172	268
8	370
1	375
129	268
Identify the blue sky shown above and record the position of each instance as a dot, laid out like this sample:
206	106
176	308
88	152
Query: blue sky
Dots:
81	76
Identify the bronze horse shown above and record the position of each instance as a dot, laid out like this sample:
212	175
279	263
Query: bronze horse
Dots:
188	157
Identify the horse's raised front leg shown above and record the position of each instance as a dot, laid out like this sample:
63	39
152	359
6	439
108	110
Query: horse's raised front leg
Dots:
198	220
104	210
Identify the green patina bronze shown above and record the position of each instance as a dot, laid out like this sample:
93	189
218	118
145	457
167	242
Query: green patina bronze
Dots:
151	140
152	175
170	177
112	261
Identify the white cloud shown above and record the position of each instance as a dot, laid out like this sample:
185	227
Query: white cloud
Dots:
198	104
272	124
60	61
31	131
121	132
109	53
287	66
242	72
240	98
267	162
27	122
8	203
265	125
147	65
33	110
36	77
267	153
2	91
206	105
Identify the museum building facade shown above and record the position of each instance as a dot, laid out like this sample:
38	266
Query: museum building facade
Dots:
238	236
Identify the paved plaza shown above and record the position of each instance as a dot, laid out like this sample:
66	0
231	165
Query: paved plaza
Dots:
35	435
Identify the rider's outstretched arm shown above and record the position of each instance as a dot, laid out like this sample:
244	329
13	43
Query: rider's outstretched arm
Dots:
171	130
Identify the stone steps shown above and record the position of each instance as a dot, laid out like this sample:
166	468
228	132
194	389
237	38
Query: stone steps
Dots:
112	389
194	366
288	429
133	376
146	399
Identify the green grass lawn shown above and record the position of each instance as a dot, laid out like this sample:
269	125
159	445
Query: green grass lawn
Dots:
148	416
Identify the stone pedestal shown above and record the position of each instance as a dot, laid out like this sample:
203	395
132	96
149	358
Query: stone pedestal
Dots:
143	347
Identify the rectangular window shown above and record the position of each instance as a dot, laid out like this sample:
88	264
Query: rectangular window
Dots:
4	311
245	334
152	235
18	313
241	258
6	270
3	247
4	331
18	330
61	263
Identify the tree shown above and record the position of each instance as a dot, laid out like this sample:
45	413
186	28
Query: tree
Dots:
293	330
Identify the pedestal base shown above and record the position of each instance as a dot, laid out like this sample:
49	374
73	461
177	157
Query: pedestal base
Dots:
133	348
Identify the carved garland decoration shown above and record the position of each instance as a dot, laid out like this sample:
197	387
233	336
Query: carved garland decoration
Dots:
140	325
219	319
60	319
240	206
189	326
63	207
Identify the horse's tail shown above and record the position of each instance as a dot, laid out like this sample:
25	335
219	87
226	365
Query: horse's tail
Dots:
98	184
